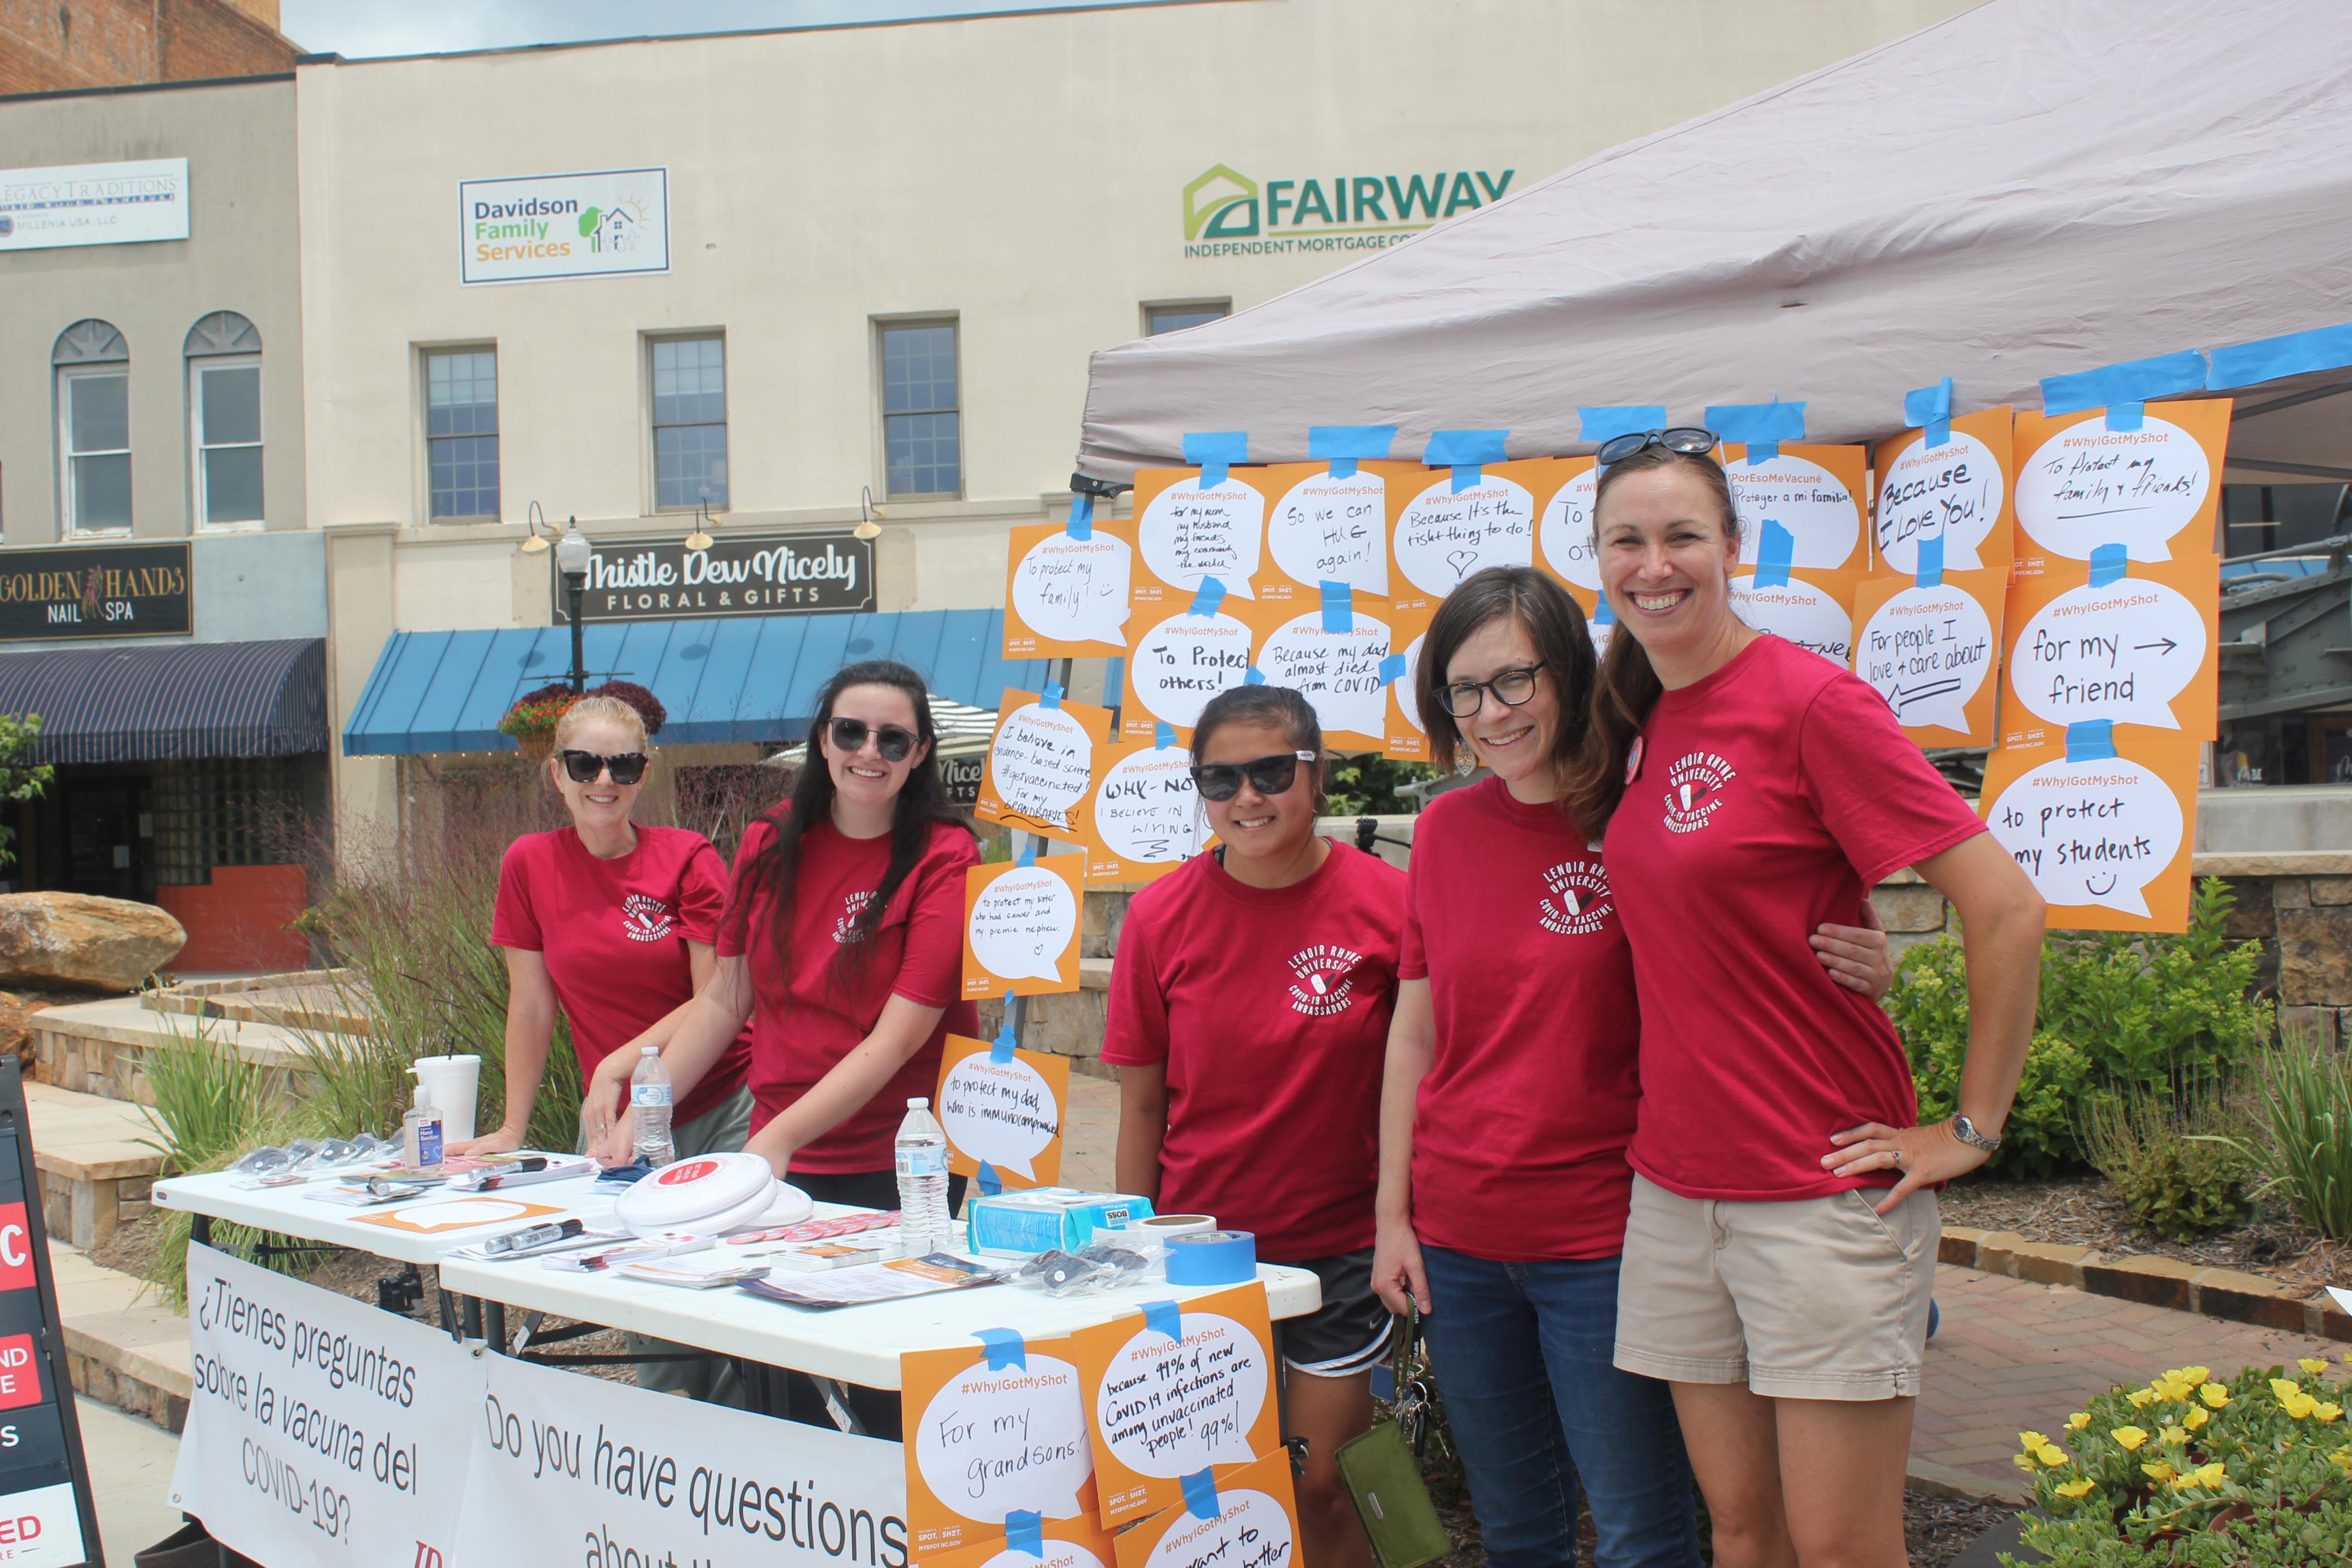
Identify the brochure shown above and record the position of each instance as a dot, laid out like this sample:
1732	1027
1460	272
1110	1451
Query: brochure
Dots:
877	1282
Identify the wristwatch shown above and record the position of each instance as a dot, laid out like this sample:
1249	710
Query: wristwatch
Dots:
1965	1131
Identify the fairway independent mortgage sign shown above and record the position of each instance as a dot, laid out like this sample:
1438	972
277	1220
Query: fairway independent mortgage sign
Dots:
596	225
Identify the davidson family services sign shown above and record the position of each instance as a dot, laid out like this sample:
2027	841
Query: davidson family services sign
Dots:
773	574
598	224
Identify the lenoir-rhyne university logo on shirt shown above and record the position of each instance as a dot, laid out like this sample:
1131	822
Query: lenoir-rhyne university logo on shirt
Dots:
1577	899
850	904
644	918
1693	789
1323	979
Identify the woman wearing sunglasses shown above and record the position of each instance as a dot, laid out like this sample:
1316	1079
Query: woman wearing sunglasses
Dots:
614	922
1249	1010
1510	1095
1782	1243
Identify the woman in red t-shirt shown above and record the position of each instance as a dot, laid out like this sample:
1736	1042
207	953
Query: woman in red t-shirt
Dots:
613	922
1754	788
1249	1012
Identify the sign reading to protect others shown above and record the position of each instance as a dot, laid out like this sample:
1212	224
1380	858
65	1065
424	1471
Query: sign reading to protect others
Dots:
596	225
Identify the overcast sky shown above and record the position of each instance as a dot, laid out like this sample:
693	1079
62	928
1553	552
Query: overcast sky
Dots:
358	28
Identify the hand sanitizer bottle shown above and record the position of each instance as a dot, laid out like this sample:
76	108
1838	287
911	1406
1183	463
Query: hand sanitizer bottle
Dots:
420	1131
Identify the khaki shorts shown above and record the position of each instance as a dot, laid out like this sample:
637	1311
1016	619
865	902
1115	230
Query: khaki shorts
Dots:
1814	1299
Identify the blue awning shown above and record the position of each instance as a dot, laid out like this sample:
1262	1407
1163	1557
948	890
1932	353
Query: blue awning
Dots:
748	679
175	701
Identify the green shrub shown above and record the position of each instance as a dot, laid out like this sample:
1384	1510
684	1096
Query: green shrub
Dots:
2173	1162
2256	1473
2303	1097
211	1106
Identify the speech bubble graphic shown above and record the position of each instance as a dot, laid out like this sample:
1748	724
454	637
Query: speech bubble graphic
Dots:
1406	682
2089	485
1187	533
1814	504
1799	612
1022	924
1056	1555
1001	1113
2090	832
1041	761
1445	534
1186	660
1075	590
1954	491
1333	529
1170	1409
1251	1531
1147	809
1339	673
2122	650
994	1442
1927	652
1566	532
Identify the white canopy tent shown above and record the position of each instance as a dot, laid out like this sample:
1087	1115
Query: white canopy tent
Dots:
2033	188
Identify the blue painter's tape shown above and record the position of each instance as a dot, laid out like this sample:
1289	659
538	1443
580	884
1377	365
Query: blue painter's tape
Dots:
1051	696
1028	855
1762	452
1931	562
1776	547
1605	615
1163	735
1001	1048
989	1183
1207	597
1339	606
1164	1317
1392	668
1774	421
1006	1348
2092	740
1465	451
1024	1530
2267	359
1253	675
2134	381
1601	424
1345	446
1929	405
1939	432
1199	1493
1082	517
2109	563
1215	452
2127	415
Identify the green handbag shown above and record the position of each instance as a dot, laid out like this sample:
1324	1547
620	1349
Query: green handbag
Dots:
1382	1468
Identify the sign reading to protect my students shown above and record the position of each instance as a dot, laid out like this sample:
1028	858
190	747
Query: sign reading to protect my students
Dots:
995	1441
1002	1109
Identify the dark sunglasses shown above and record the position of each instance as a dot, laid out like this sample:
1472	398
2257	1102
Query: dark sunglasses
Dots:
582	767
1267	775
1511	687
1688	440
894	743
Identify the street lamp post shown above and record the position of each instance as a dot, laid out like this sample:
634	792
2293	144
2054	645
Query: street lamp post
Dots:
572	559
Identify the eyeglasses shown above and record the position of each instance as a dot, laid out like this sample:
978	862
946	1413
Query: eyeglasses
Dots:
894	743
1267	775
1511	687
1688	440
582	767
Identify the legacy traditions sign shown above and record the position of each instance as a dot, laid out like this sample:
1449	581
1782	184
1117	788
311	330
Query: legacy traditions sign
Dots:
768	575
93	204
598	225
95	591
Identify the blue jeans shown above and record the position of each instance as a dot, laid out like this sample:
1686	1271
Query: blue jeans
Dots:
1522	1352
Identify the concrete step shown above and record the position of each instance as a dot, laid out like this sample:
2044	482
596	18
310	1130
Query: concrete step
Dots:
94	1171
123	1346
101	1047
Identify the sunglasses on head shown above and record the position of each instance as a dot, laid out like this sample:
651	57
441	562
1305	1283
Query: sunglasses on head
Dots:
1688	440
894	743
582	767
1267	775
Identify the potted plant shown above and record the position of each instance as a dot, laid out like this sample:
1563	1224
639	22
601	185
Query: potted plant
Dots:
532	719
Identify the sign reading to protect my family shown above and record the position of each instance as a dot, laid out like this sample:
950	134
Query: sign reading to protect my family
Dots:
2106	836
1000	1108
1021	927
995	1438
1147	816
1041	764
1067	597
2149	483
1192	525
1174	1391
1245	1519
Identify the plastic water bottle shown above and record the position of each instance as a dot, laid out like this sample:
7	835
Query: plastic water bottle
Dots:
649	1097
924	1225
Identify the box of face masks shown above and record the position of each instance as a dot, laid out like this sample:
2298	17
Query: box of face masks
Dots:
1042	1218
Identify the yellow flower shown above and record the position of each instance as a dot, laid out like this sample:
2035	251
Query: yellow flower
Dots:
2023	1463
2301	1406
2129	1439
2312	1366
2341	1456
2159	1470
2076	1422
2327	1411
2195	1373
2218	1394
2285	1388
2212	1475
2051	1455
2029	1441
2195	1418
2173	1435
2170	1387
2075	1488
2140	1398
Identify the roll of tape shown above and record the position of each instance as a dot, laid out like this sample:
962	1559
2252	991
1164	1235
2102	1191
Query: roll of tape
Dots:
1212	1257
1161	1227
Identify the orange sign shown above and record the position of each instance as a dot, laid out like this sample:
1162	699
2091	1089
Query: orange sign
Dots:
2104	822
1039	775
1003	1113
1078	1542
993	1429
1244	1518
1322	527
1188	532
1146	818
1067	597
1021	927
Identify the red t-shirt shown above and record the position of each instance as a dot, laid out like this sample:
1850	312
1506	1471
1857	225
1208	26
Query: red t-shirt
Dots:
1518	1139
1767	798
613	933
1271	1009
804	1024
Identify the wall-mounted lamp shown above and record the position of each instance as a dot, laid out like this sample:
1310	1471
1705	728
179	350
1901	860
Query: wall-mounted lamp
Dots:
537	543
869	515
701	540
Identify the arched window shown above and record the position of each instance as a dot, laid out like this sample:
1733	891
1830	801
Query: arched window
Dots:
224	355
93	391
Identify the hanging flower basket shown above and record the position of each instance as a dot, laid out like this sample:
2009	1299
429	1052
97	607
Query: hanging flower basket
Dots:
532	720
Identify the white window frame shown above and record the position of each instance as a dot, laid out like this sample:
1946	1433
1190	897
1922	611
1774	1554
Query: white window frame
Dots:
652	342
197	448
69	526
883	413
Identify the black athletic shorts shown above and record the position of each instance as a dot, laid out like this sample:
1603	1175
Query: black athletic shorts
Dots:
1350	1332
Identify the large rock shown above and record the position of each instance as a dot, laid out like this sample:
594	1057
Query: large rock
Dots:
77	941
